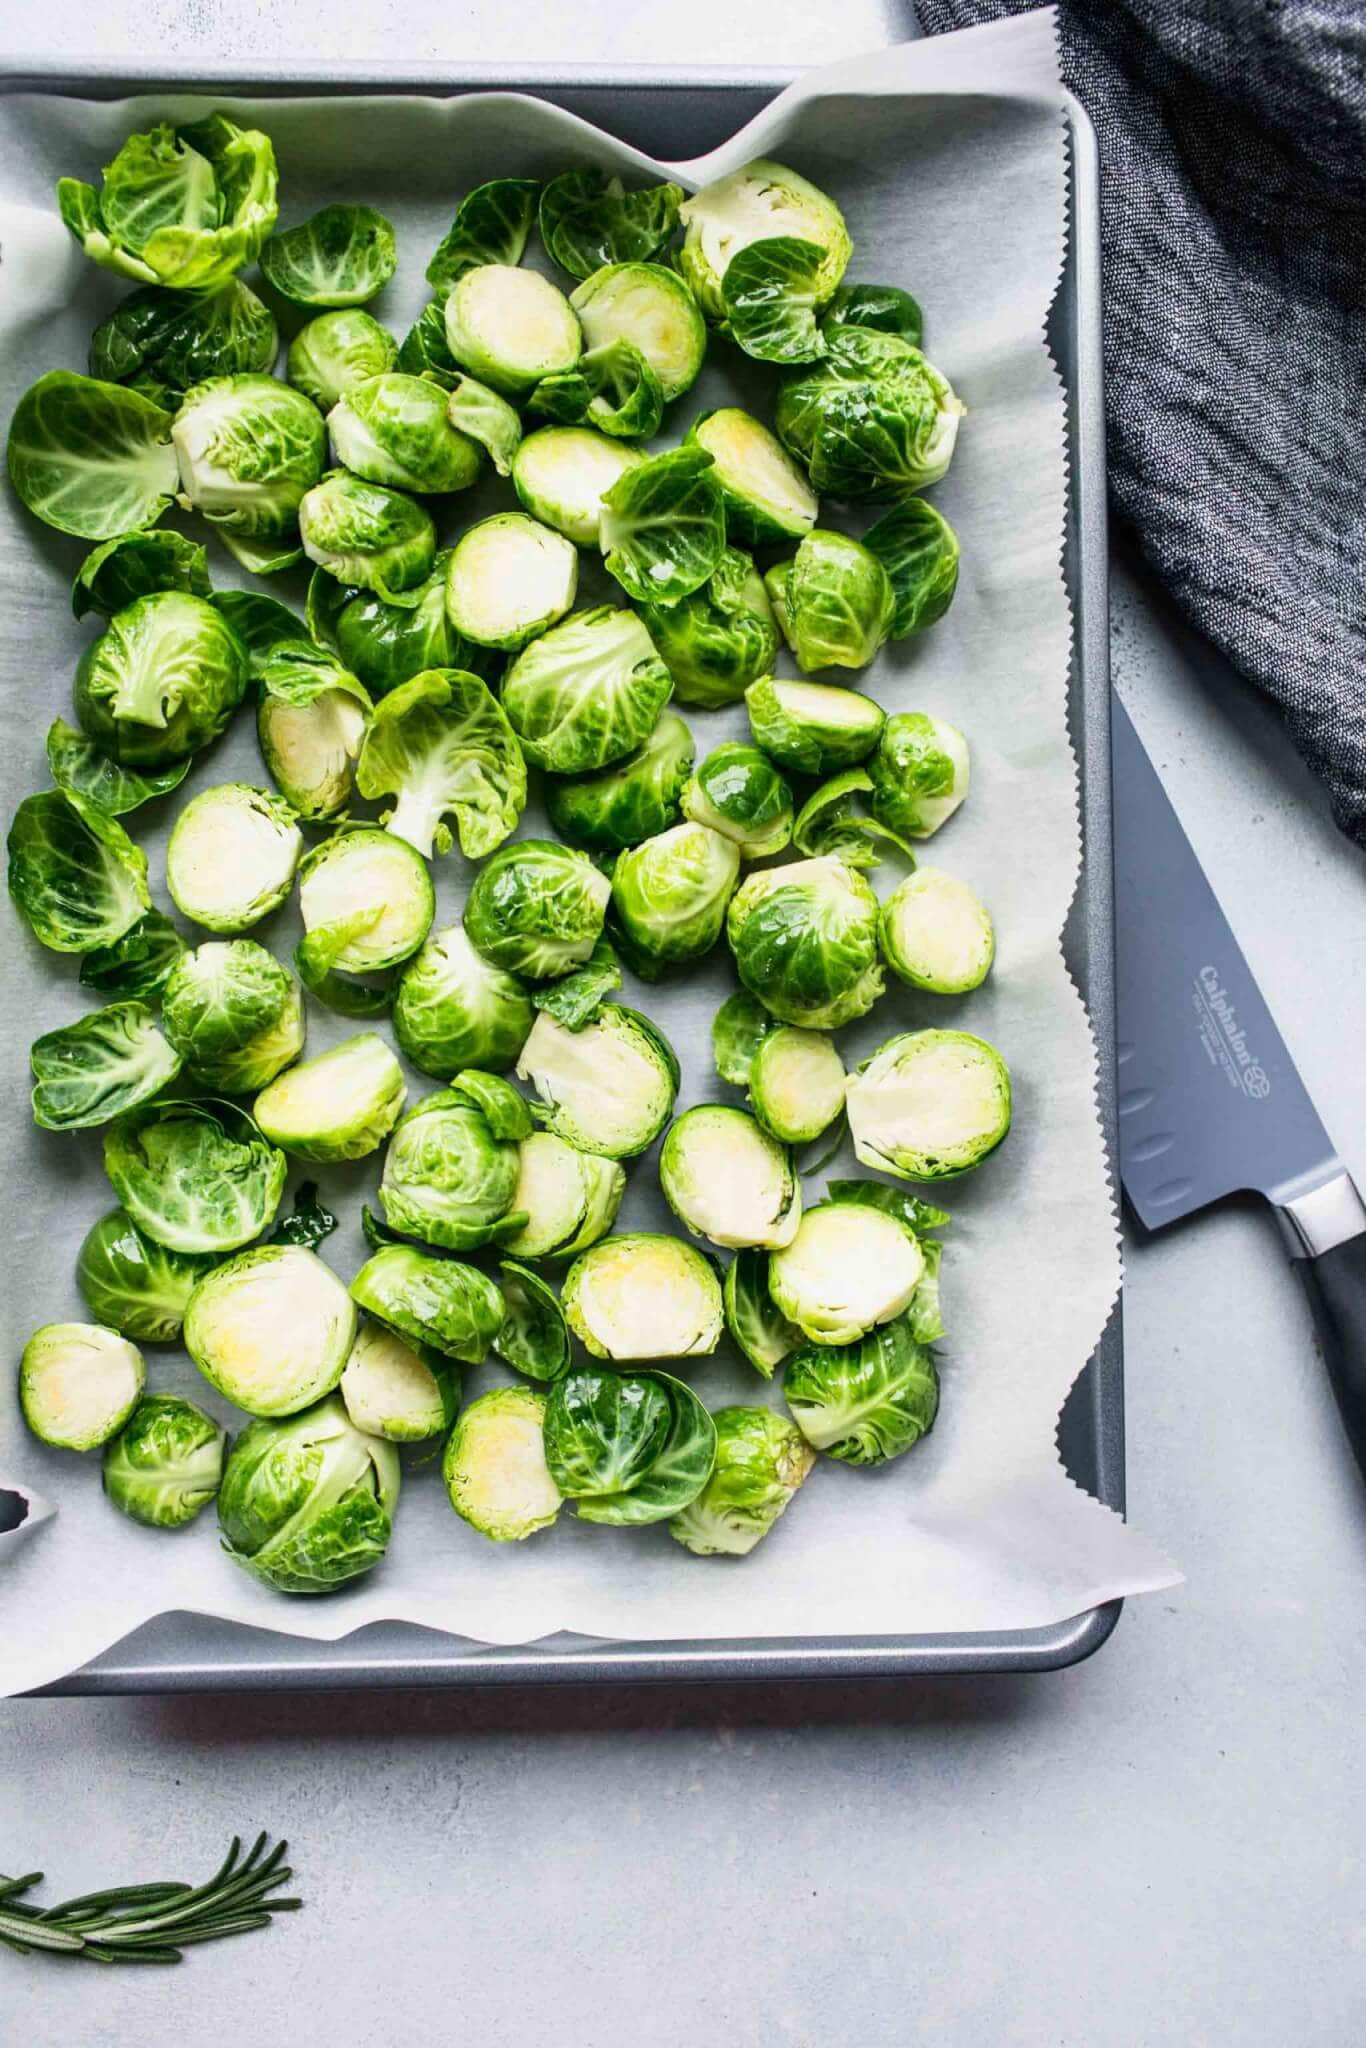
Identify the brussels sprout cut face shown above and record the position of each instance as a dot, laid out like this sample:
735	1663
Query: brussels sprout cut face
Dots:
761	1460
343	256
495	1469
588	693
232	856
234	1015
766	496
395	429
166	1462
728	1180
308	1503
804	938
644	1296
796	1084
90	458
396	1392
441	744
134	1285
511	327
550	1193
341	1105
607	1089
812	728
929	1105
650	307
336	351
762	202
936	933
78	1384
162	680
368	535
188	1182
561	474
372	890
866	1402
758	1327
670	896
310	721
537	908
248	448
738	792
271	1329
96	1069
508	579
456	1009
920	773
847	1269
721	638
453	1307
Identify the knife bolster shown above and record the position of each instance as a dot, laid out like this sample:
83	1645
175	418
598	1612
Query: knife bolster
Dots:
1326	1216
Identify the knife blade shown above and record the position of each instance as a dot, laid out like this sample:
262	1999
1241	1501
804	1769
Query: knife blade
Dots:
1210	1102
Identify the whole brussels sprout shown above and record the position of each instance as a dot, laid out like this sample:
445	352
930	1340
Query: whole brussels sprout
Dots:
162	680
738	792
608	1088
166	1462
495	1469
728	1180
865	1402
395	429
453	1307
455	1009
929	1105
627	1448
308	1503
234	1015
669	896
936	933
537	908
812	728
804	938
271	1329
337	350
134	1285
919	773
763	201
832	600
721	638
78	1384
587	693
248	448
761	1460
873	417
630	801
450	1176
367	534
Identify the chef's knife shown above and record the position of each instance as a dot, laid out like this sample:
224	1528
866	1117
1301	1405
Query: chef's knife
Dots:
1209	1099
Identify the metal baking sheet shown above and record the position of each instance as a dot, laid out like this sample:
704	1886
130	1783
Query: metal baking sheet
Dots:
680	114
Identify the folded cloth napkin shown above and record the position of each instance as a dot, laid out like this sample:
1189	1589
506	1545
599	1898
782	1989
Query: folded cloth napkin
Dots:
1233	206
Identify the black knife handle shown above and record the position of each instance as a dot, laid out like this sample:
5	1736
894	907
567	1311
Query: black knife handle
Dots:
1335	1282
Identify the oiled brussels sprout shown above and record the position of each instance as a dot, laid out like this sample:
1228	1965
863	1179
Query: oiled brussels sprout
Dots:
761	1460
341	1105
495	1469
919	772
728	1180
561	474
872	419
719	639
587	693
234	1015
849	1268
441	1302
804	938
162	680
627	1448
455	1009
336	351
812	728
395	429
536	908
832	600
248	448
762	202
451	1170
767	498
135	1285
738	792
166	1462
865	1402
650	307
308	1503
511	327
367	534
669	896
629	801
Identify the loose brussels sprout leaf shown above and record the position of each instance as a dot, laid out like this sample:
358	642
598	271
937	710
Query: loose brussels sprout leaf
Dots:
181	207
367	903
395	1391
176	339
608	1088
882	306
190	1184
676	1473
495	1469
75	876
587	693
848	1268
650	307
491	226
551	1195
765	495
341	256
771	291
166	1462
729	1181
271	1329
831	821
263	557
576	1000
669	896
833	602
796	1084
341	1105
812	728
936	933
231	856
93	1070
757	1325
929	1105
268	628
388	644
455	1009
612	388
534	1338
738	792
919	550
920	773
804	938
232	1014
135	1285
76	763
663	529
721	638
644	1296
310	1224
310	720
912	1212
442	746
308	1503
736	1031
763	202
561	473
924	1315
761	1460
449	1179
134	565
589	219
483	417
78	1384
537	909
429	1300
510	328
368	535
606	1183
337	351
137	965
871	419
249	449
509	578
424	351
630	801
90	458
603	1430
162	680
865	1402
395	429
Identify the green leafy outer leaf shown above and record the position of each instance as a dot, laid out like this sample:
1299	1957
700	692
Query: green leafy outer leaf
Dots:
761	1461
664	526
133	565
91	458
166	1462
831	821
179	338
629	801
315	959
76	763
139	963
366	535
873	418
736	1030
721	638
911	1211
342	256
833	601
442	1302
453	1009
771	291
485	417
491	225
534	1338
442	744
425	351
96	1069
603	1429
263	556
883	306
753	1318
74	873
387	644
575	1001
867	1402
919	550
923	1315
669	896
161	681
134	1285
188	1182
338	349
504	1111
612	388
307	1502
587	693
263	625
310	1223
588	219
678	1471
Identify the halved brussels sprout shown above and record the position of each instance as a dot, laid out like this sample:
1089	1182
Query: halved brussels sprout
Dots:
534	1338
736	1030
231	856
865	1402
650	307
919	550
936	933
162	680
728	1180
190	1185
78	1384
872	418
341	1105
758	1326
509	578
117	572
234	1015
336	351
395	429
537	908
341	256
669	896
450	1175
308	1503
760	203
849	1268
395	1390
883	306
761	1460
766	496
929	1104
368	535
587	693
271	1329
605	1180
310	720
804	938
455	1009
174	340
920	773
491	225
834	820
719	639
644	1295
773	291
628	1448
550	1193
442	1302
832	600
248	448
388	644
104	1064
629	801
166	1462
75	876
663	527
611	388
369	895
588	218
609	1088
134	1285
442	745
561	473
812	728
495	1468
796	1084
90	458
738	792
511	327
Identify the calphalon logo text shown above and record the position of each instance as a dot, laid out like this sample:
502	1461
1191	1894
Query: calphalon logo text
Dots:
1224	1038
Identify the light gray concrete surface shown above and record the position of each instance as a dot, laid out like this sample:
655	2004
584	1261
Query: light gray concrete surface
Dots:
1159	1849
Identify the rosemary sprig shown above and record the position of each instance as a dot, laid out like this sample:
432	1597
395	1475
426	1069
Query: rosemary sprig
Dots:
150	1923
